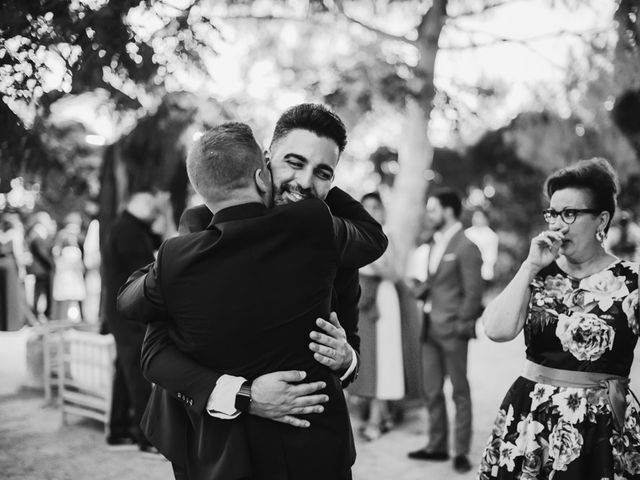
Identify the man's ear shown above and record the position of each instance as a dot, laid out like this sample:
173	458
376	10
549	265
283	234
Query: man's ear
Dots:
267	159
262	183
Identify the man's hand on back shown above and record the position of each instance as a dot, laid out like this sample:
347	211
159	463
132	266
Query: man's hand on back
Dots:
277	397
331	347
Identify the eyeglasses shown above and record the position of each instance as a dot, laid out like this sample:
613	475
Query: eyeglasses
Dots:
568	215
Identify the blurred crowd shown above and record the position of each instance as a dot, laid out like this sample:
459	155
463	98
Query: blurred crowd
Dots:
50	269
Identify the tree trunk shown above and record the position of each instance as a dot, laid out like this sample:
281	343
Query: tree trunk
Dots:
415	154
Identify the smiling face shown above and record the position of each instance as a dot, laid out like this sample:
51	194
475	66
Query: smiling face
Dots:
580	236
302	166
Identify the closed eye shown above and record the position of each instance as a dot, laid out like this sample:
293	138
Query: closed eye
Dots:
324	174
295	163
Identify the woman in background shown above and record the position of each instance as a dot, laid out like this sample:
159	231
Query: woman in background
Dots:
382	328
69	289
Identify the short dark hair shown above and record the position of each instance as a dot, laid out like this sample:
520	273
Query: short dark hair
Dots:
315	118
223	159
371	196
449	198
596	176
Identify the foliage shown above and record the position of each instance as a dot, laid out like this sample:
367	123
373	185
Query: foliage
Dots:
21	150
379	74
151	156
95	42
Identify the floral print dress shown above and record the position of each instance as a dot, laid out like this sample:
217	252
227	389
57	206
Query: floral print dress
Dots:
548	432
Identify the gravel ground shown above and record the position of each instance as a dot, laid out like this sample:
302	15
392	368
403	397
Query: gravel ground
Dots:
35	445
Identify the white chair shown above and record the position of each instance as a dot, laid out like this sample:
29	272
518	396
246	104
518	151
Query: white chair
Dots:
85	377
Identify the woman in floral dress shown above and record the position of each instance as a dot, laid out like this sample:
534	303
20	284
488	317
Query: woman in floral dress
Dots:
570	415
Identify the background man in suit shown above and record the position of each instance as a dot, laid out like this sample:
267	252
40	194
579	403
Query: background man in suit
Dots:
453	295
130	245
258	326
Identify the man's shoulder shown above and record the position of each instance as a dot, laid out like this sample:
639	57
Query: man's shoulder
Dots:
187	239
302	205
310	211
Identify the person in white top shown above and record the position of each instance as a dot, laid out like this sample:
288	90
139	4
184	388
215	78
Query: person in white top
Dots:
486	240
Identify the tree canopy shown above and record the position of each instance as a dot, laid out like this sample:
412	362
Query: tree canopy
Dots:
405	75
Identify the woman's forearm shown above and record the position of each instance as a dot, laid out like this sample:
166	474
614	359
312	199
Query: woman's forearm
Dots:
504	316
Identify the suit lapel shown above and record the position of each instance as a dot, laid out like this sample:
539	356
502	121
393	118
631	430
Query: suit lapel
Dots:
450	248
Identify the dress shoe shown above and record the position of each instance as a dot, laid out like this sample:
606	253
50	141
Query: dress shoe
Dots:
120	443
422	454
461	464
147	448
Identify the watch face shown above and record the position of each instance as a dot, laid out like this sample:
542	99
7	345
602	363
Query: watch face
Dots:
243	397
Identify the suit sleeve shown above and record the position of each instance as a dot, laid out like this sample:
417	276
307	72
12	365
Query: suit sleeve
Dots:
132	300
173	370
358	237
470	265
162	362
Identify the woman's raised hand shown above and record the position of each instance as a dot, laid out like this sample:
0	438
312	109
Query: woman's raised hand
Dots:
544	249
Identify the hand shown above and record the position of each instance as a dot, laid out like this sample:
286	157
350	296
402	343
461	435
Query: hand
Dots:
545	248
419	289
274	396
331	348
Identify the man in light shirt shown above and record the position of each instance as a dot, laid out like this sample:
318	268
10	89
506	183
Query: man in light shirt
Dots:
452	296
487	241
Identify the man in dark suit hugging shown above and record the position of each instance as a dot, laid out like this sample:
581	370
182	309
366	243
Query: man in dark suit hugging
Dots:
243	297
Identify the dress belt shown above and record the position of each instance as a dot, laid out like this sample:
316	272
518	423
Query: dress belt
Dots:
616	386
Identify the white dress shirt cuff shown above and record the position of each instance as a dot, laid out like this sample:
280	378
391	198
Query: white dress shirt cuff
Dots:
222	401
352	367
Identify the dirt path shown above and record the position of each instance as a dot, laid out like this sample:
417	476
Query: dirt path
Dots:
34	445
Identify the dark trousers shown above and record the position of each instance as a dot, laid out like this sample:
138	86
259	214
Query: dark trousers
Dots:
130	393
179	472
42	287
442	358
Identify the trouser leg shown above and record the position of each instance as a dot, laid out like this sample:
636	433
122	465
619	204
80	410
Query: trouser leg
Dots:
138	387
119	420
433	380
455	356
179	472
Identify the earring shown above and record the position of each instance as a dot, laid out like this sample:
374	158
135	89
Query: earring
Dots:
600	235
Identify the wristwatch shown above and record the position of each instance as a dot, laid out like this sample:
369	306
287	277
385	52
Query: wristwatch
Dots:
243	397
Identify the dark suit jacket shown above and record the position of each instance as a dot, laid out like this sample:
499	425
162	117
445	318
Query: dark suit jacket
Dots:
244	296
456	290
346	287
130	245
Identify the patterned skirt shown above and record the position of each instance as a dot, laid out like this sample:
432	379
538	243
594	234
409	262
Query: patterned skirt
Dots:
547	432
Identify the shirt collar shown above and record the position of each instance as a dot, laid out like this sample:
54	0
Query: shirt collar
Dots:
238	212
446	235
